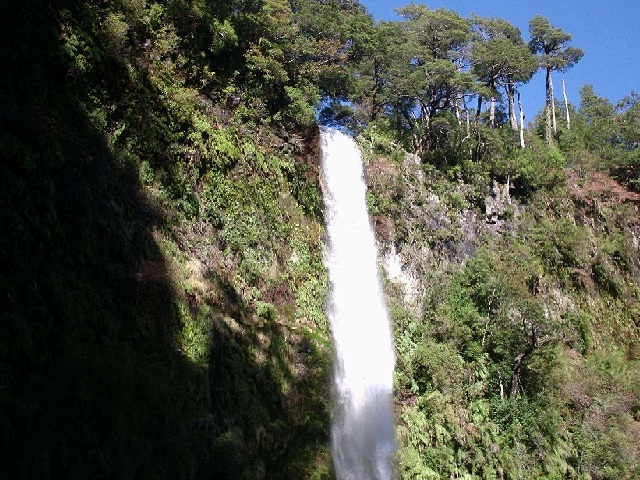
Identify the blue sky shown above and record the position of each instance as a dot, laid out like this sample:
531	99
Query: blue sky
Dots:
607	30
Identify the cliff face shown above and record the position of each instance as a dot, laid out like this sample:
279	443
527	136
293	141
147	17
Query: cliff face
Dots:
162	278
521	316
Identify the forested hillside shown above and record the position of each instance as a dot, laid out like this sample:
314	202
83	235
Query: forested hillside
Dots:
161	245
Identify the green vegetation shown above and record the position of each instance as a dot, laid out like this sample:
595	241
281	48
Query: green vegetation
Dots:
162	236
162	262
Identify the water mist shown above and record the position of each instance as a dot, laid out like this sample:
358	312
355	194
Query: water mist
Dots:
362	430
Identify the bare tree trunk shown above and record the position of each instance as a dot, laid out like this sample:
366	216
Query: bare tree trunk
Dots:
479	145
492	112
466	110
418	127
521	121
547	111
553	107
416	139
516	376
479	108
566	104
425	115
512	108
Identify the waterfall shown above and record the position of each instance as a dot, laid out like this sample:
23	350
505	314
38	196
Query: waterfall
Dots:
362	430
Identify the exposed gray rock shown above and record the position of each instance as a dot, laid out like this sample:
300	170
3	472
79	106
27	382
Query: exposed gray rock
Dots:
498	203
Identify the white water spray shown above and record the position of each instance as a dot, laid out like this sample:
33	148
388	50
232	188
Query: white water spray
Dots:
362	430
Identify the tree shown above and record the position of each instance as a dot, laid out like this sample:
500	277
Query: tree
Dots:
500	57
382	65
438	40
551	44
333	36
611	131
267	53
299	51
630	124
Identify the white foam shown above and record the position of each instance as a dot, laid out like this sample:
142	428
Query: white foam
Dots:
363	436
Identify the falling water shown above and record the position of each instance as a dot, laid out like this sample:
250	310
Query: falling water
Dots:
362	431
